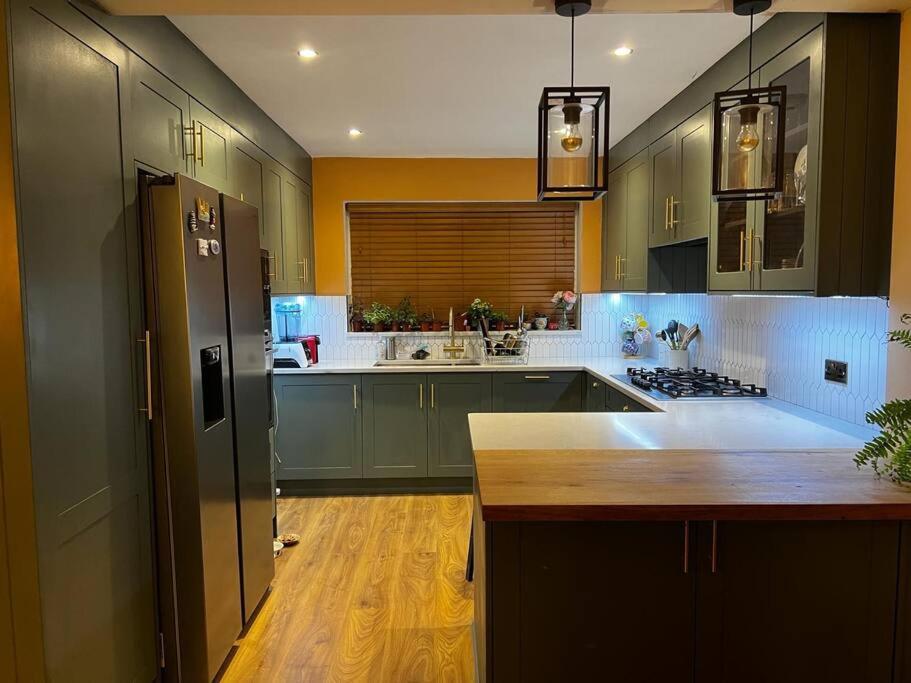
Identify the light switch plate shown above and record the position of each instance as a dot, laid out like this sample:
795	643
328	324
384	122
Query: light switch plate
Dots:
836	371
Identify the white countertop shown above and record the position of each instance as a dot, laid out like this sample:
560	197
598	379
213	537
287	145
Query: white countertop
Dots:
719	424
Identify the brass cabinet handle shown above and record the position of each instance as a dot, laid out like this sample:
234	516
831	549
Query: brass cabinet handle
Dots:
626	408
274	260
432	397
594	385
686	547
202	159
674	221
537	377
306	275
617	267
750	252
667	213
421	396
715	547
759	243
620	261
354	388
742	239
148	363
191	131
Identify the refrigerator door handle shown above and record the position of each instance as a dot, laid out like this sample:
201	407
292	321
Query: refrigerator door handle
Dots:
148	375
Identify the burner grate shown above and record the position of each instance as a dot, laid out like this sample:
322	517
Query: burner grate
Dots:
692	383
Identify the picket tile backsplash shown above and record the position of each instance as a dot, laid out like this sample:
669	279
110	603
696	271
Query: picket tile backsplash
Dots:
777	342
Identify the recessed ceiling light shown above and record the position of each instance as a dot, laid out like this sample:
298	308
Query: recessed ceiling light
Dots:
623	51
354	132
307	53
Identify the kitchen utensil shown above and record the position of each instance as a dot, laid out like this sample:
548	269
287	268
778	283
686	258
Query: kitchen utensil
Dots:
662	336
681	331
689	336
672	334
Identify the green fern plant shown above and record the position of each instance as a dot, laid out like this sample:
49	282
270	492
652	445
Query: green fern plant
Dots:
889	453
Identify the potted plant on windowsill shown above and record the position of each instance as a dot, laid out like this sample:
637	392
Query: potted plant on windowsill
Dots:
378	315
425	321
477	310
404	317
355	316
498	320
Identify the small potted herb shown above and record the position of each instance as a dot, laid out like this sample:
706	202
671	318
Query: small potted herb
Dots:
425	321
405	316
378	315
498	320
355	316
435	325
477	310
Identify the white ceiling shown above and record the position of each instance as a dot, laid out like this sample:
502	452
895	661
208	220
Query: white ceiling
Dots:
451	86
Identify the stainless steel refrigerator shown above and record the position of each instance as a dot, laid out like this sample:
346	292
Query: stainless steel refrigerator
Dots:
209	414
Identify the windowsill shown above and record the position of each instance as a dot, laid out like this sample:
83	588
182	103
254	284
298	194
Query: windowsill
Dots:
445	334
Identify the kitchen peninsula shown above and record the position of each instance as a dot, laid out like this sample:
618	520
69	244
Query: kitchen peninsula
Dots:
678	555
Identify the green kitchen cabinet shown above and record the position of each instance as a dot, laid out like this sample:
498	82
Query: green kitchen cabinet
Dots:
289	231
395	425
304	235
247	176
662	156
273	226
681	195
626	227
318	426
693	202
538	392
452	397
159	119
595	395
209	142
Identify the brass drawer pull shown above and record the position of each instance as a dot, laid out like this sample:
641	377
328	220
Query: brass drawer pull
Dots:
354	388
538	377
421	396
432	397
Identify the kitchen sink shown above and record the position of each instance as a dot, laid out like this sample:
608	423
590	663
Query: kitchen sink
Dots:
429	363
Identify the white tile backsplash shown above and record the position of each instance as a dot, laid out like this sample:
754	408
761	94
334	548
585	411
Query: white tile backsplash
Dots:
777	342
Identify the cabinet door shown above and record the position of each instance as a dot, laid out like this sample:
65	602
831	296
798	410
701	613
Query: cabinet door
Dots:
292	270
787	226
694	168
318	426
796	601
663	162
634	261
211	138
307	278
159	115
395	425
538	392
590	591
273	225
618	402
595	395
247	176
452	397
614	231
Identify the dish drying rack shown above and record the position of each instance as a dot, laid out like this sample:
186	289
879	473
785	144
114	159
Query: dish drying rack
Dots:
512	349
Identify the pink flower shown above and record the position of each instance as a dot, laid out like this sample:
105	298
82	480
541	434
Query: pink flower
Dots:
569	297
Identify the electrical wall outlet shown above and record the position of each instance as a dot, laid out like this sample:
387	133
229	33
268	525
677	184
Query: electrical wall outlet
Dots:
836	371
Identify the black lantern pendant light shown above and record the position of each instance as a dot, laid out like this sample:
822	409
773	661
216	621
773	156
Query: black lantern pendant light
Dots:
572	131
748	147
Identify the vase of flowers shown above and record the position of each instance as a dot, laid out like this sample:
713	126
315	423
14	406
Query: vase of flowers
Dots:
564	301
634	333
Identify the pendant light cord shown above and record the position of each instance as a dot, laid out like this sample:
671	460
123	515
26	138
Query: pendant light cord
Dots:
750	58
572	51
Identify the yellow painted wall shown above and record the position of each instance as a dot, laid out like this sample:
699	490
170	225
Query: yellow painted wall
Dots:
337	180
899	364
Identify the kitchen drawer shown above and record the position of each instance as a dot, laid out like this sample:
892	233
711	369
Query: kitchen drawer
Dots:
538	392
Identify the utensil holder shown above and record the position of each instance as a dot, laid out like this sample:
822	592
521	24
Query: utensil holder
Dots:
679	358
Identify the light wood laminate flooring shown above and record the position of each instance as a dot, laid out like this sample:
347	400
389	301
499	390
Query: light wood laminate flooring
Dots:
375	591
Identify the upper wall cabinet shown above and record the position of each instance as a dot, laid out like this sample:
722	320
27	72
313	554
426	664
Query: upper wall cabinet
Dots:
626	226
160	115
210	147
681	171
829	233
288	230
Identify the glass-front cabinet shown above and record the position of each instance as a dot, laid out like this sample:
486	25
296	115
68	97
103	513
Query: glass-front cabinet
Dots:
771	245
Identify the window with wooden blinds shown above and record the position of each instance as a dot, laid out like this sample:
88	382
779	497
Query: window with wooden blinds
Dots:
448	254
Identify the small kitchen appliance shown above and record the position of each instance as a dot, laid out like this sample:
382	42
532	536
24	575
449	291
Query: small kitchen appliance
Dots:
310	343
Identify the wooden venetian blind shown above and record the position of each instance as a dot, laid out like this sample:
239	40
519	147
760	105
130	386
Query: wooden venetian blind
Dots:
447	254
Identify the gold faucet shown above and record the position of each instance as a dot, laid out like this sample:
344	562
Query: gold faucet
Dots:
453	350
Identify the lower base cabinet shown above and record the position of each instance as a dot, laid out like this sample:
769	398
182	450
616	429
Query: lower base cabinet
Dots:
638	602
600	398
318	426
538	392
453	396
395	425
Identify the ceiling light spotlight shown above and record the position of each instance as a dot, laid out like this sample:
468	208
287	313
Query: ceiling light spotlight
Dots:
355	132
623	51
307	53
